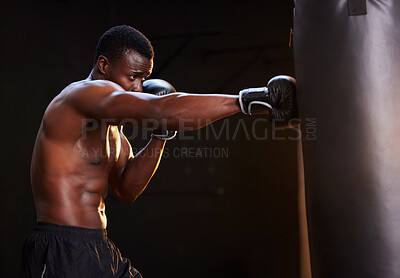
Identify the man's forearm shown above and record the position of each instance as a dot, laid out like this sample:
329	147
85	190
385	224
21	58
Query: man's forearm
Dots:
192	111
140	170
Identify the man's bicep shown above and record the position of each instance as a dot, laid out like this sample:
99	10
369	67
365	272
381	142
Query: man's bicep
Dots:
117	107
130	108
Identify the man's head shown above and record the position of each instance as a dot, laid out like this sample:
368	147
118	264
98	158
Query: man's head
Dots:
124	56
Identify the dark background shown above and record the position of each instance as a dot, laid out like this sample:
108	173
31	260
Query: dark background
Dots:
233	216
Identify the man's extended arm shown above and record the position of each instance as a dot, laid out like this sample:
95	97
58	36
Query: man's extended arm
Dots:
177	111
106	101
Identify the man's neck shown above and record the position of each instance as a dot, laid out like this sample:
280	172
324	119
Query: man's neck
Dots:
94	75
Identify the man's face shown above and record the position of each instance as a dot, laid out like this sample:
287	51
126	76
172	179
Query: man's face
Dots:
129	71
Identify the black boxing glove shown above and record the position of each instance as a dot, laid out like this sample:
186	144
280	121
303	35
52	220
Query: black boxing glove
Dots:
159	87
278	99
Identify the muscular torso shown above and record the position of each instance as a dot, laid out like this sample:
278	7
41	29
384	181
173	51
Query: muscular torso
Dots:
72	159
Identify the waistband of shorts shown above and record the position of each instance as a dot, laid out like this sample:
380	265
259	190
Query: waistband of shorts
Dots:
70	231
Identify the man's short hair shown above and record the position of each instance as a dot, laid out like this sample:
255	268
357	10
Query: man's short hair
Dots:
119	39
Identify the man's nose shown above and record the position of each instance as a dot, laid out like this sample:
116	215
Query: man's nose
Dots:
138	86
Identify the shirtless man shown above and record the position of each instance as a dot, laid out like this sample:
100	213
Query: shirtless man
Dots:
80	149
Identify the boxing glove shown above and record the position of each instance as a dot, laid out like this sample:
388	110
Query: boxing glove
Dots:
278	99
160	87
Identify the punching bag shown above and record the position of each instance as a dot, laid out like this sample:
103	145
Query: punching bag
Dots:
347	61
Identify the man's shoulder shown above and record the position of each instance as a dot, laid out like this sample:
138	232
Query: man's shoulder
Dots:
66	111
81	93
90	86
86	92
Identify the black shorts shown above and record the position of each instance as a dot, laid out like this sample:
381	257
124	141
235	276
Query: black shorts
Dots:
62	251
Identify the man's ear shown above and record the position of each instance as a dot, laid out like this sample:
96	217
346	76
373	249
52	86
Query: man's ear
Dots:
103	64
